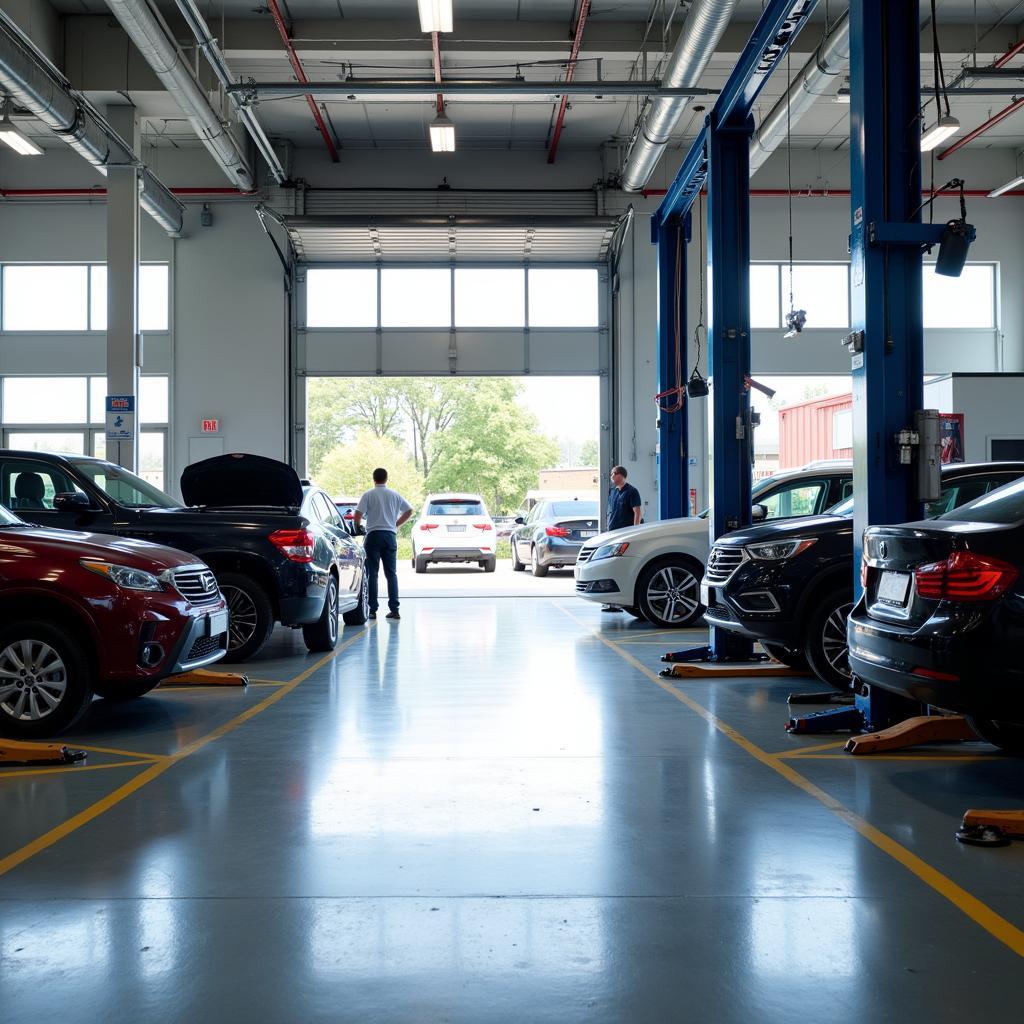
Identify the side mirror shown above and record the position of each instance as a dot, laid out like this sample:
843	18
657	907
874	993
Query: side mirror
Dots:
520	521
72	501
758	513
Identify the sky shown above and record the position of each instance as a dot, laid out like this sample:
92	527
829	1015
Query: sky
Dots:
567	407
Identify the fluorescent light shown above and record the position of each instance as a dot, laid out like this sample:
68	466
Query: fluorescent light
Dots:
939	132
1008	187
442	135
436	15
18	141
843	96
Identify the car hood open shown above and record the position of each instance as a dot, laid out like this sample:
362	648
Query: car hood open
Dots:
230	481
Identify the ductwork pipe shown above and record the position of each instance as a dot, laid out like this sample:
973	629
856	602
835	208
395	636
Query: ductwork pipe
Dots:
816	79
702	31
34	84
153	40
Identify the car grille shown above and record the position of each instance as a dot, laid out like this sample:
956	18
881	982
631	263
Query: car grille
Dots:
207	645
198	585
722	563
585	554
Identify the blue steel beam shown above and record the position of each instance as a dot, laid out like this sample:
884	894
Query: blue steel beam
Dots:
685	186
886	299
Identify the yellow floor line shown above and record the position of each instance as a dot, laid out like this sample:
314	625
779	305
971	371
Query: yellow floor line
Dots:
801	751
135	754
979	912
21	773
154	771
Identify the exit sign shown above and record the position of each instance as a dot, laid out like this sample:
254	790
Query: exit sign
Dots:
210	426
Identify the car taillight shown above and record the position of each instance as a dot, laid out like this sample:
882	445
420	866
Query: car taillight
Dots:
428	526
965	577
556	531
295	545
483	526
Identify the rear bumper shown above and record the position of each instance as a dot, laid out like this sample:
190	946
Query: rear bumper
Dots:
553	551
461	554
303	589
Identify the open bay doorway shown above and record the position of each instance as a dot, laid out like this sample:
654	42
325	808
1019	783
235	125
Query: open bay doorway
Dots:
473	456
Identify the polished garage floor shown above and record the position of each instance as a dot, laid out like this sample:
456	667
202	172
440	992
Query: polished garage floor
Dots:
492	811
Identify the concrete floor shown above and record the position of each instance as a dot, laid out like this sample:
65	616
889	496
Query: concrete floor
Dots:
494	811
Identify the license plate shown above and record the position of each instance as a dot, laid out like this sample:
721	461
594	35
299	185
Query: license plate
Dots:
217	623
588	533
893	587
456	529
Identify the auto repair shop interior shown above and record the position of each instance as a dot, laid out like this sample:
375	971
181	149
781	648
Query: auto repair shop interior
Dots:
754	758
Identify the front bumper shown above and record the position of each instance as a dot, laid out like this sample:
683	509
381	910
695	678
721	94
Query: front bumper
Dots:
756	614
606	581
205	642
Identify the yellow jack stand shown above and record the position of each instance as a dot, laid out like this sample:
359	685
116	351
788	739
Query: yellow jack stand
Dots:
203	677
991	828
14	752
911	733
727	670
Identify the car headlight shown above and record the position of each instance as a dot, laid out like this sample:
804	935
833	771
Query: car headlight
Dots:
123	576
779	551
610	551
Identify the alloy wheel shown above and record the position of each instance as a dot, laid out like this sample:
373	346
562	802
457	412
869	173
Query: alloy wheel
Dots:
673	593
241	616
33	680
332	612
833	640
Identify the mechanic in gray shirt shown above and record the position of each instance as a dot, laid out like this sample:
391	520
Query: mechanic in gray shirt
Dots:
385	511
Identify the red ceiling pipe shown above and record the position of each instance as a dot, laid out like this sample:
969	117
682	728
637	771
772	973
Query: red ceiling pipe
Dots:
570	70
1009	55
982	128
300	74
99	193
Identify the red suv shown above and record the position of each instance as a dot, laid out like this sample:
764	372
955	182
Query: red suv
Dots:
85	614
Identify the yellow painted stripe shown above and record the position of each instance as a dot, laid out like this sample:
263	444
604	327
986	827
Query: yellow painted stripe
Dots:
134	754
801	751
21	773
154	771
979	912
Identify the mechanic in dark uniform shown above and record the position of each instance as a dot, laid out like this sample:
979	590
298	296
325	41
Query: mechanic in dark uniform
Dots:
624	509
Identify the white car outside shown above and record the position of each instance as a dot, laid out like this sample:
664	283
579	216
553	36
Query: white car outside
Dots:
456	528
654	570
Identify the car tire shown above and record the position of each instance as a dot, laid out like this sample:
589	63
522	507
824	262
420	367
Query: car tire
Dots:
635	612
358	615
125	691
1007	736
420	564
535	564
25	711
490	565
825	640
517	566
659	580
785	655
322	636
250	615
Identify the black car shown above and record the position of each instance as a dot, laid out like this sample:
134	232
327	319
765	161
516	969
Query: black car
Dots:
941	619
279	554
552	534
790	584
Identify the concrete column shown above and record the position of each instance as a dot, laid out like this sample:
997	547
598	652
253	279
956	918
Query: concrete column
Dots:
123	352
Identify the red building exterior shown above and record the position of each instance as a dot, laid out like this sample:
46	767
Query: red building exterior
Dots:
821	428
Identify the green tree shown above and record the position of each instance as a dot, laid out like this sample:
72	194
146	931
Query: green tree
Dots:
432	405
348	469
590	453
493	447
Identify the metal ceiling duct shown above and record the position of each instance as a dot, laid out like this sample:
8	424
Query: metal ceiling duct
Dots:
149	33
815	79
34	84
701	32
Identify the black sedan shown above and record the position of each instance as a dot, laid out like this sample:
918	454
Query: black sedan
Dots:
552	534
789	584
941	619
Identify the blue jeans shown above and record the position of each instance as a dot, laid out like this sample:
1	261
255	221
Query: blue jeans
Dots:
382	546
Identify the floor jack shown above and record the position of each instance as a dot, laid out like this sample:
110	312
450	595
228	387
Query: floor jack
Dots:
15	752
204	677
734	659
991	828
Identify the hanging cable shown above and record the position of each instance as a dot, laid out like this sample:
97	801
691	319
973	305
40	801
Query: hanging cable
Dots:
697	385
677	391
795	318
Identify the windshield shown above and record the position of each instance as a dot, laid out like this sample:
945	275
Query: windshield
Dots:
9	519
1002	506
123	487
456	507
574	508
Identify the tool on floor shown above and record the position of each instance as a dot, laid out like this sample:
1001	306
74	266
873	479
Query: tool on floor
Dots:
15	752
912	732
704	653
732	670
991	828
204	677
873	709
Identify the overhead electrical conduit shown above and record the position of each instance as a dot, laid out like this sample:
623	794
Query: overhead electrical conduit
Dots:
701	33
814	80
149	33
34	84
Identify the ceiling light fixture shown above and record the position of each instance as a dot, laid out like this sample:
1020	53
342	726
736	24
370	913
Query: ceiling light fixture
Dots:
939	132
1008	187
442	134
436	15
16	139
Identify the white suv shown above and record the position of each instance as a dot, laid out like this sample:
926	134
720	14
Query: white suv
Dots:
654	571
454	528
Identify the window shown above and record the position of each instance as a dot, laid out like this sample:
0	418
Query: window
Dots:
801	498
46	298
823	290
154	297
490	298
31	486
967	301
153	404
456	507
584	509
1005	505
564	298
44	399
415	297
341	298
70	441
124	487
764	295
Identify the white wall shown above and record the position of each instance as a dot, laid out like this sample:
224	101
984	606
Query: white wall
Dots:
991	407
